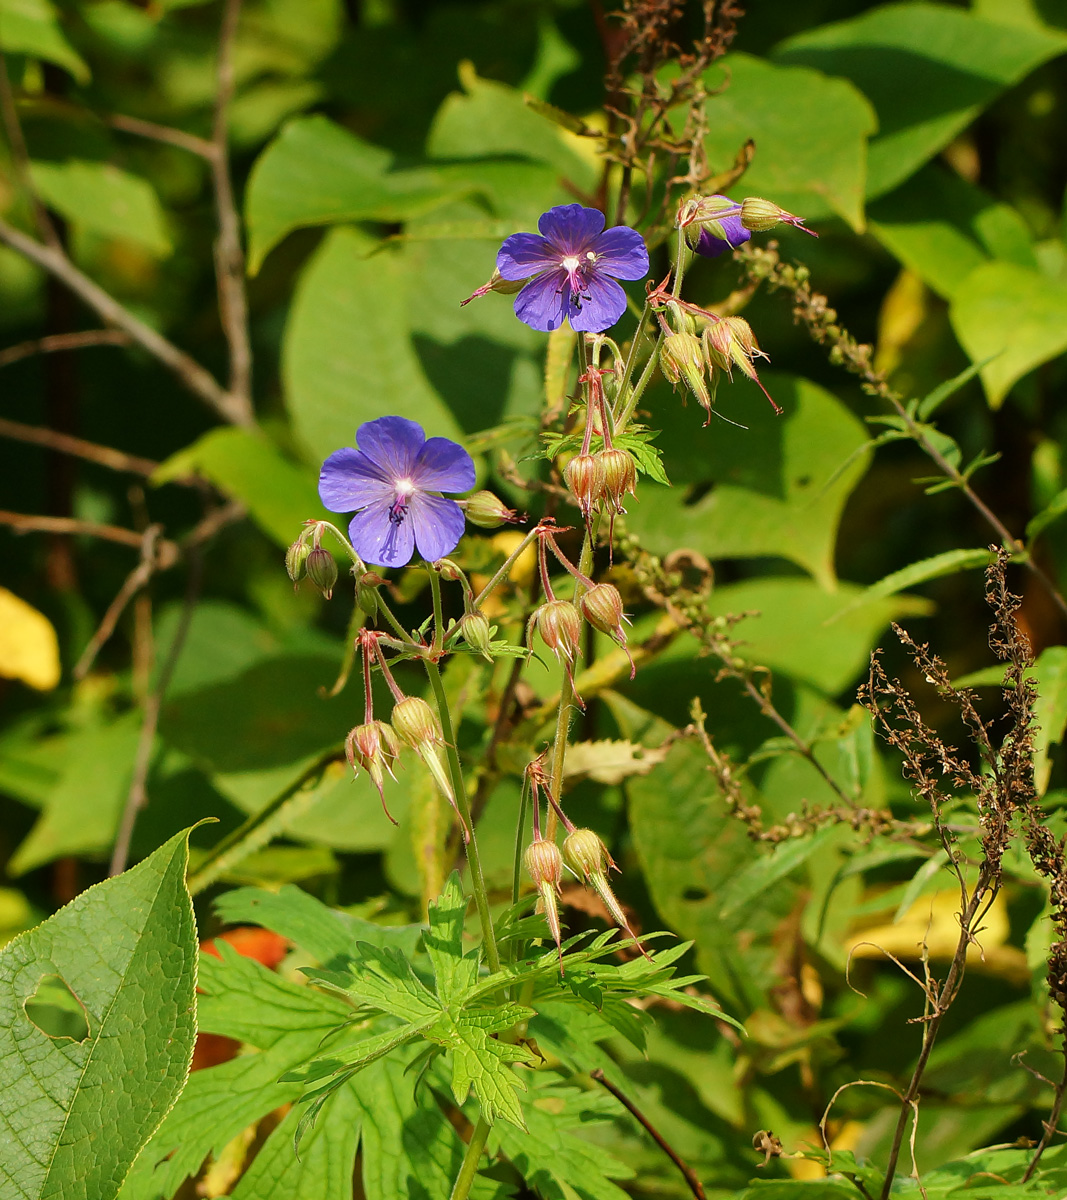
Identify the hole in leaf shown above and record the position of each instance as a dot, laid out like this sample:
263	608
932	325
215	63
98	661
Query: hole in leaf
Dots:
695	894
56	1011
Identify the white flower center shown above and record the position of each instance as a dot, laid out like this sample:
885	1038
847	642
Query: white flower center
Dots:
405	486
571	263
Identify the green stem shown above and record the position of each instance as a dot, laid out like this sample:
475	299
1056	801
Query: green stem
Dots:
635	345
481	898
469	1167
679	265
438	610
509	562
627	410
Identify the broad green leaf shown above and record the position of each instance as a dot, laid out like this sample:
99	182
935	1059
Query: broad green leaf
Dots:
454	974
1021	314
1050	711
483	1062
279	495
222	641
31	27
928	69
104	200
383	978
347	356
489	119
936	567
821	638
810	133
126	949
942	227
552	1156
315	173
81	810
778	487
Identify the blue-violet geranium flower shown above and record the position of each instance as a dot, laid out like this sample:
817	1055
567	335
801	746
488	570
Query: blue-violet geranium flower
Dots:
571	269
393	479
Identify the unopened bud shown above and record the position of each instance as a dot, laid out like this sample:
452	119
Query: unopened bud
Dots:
488	511
584	475
415	722
448	570
544	865
760	215
496	283
374	747
321	570
560	626
620	475
682	360
296	560
475	630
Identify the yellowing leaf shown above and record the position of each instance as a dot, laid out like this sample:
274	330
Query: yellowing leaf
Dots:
933	918
29	649
611	762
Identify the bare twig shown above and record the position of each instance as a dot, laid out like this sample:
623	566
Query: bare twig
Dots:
136	580
162	133
229	255
690	1176
63	443
137	797
63	341
198	380
1051	1125
32	523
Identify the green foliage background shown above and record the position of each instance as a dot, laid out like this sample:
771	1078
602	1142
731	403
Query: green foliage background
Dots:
381	151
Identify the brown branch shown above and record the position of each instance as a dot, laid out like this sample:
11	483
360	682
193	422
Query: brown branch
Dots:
198	380
63	443
162	133
229	255
32	523
690	1176
136	580
63	341
1051	1123
137	796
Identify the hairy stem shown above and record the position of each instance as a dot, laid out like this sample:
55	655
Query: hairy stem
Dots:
469	1167
459	789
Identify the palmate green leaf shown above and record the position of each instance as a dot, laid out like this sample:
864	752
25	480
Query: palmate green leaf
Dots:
810	133
955	64
550	1153
279	495
483	1062
126	951
454	974
107	201
383	978
1016	313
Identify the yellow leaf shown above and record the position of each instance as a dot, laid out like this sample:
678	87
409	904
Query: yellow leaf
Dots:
29	648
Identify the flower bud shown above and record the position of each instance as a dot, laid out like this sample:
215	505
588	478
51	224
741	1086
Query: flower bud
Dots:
374	747
416	723
448	570
760	215
296	560
602	608
496	283
488	511
475	630
584	475
588	858
322	570
682	360
560	626
544	865
620	475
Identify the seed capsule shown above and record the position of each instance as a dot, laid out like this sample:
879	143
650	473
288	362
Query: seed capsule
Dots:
560	626
584	475
322	570
544	865
620	475
588	858
602	608
296	560
374	747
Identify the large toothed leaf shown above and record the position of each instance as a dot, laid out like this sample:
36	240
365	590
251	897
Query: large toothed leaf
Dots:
454	974
79	1106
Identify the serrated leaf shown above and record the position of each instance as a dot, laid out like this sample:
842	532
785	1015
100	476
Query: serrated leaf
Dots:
382	978
454	974
482	1062
126	951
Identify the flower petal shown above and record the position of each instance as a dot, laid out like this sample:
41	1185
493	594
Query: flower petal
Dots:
379	540
543	302
571	227
438	525
443	466
621	252
711	246
525	254
350	480
602	305
392	443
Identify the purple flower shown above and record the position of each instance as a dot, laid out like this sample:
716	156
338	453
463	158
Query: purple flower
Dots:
711	246
571	269
393	479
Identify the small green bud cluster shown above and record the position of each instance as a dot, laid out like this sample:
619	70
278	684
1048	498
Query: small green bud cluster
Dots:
307	557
